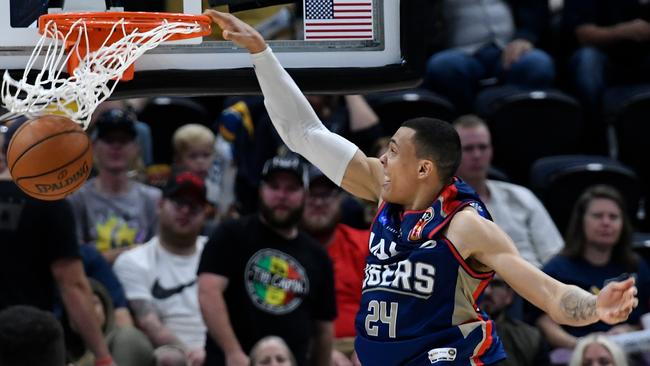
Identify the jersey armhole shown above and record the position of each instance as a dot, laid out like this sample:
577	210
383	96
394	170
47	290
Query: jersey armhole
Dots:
466	267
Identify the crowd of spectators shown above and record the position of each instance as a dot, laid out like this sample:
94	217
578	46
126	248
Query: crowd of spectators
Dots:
237	252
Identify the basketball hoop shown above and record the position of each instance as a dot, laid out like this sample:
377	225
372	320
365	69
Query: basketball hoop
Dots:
98	49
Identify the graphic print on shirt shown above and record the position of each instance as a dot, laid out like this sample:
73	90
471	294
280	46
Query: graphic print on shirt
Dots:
116	232
275	281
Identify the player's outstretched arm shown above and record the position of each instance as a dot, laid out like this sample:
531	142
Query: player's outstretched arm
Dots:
295	120
485	242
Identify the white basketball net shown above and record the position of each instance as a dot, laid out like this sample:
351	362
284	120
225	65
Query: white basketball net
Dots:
91	83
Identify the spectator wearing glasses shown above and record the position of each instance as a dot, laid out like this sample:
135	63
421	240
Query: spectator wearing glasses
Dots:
347	248
159	277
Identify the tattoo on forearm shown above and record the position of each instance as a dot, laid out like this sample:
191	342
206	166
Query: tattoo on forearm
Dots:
578	305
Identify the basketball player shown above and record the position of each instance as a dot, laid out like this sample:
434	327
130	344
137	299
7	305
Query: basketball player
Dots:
433	248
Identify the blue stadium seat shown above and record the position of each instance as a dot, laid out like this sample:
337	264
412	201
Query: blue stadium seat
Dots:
559	180
528	125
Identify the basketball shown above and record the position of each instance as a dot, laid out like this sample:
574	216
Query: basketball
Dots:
49	157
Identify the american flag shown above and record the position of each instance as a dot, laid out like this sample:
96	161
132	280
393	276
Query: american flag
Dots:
338	19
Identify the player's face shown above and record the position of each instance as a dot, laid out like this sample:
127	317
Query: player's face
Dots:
272	353
400	167
477	153
116	151
322	207
603	222
282	198
181	216
198	159
597	355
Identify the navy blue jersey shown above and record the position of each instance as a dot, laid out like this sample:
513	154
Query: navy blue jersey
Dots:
419	301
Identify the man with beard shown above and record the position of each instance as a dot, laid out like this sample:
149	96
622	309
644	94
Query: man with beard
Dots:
159	277
347	248
259	276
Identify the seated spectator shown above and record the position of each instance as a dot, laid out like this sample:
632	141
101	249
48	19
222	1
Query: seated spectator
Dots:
596	349
272	350
489	40
260	275
347	248
598	248
524	344
614	45
514	208
113	211
30	337
159	277
127	345
196	149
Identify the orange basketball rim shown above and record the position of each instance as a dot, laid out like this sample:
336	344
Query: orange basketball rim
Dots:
101	29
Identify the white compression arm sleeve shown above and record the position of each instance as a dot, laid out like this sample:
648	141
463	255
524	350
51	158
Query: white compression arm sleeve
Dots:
297	123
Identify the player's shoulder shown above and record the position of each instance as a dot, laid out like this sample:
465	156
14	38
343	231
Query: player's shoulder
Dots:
467	220
469	231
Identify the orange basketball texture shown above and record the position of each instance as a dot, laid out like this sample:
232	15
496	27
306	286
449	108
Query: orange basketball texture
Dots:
49	157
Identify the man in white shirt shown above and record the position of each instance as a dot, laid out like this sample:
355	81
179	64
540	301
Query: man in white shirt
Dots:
513	207
159	277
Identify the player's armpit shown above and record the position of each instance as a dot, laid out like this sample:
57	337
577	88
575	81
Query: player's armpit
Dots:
485	242
363	177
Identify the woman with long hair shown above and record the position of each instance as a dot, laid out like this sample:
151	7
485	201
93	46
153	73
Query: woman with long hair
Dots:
598	248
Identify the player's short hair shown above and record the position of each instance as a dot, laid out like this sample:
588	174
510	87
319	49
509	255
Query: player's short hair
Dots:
29	336
436	140
191	134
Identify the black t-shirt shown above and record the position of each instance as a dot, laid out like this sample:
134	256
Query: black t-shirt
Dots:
276	286
33	235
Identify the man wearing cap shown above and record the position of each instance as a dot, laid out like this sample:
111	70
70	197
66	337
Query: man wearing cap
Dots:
347	248
159	277
259	276
113	211
39	255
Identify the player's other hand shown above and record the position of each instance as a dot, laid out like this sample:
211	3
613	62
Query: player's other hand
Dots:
237	31
616	301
